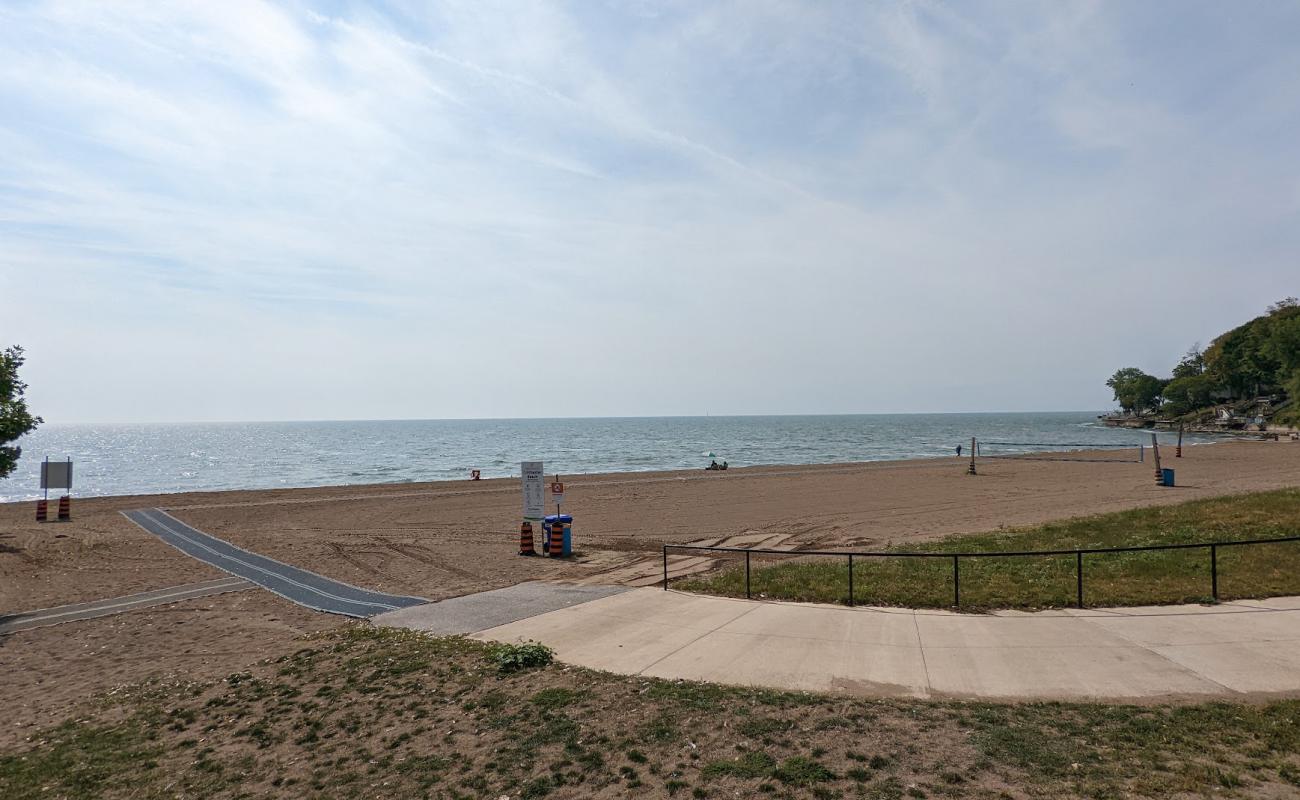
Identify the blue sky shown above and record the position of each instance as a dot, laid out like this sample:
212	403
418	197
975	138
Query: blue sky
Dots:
247	210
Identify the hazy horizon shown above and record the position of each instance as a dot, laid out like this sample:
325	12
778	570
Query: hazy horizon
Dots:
336	210
542	419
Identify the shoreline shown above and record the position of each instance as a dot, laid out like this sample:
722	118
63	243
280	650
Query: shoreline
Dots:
182	458
637	474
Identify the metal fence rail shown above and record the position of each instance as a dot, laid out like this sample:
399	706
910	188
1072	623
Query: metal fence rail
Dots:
956	558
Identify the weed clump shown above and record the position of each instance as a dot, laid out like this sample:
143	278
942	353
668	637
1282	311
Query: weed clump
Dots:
519	657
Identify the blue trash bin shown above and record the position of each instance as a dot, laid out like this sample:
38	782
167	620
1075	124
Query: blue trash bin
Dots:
1167	475
549	521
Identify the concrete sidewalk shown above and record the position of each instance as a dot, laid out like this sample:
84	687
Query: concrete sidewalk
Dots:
1245	647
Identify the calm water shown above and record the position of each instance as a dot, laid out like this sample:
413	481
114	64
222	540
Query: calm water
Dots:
144	458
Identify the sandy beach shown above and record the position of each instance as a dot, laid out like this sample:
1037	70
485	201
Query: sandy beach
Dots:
439	540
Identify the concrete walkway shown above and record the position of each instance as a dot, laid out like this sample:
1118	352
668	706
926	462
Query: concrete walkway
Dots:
1229	650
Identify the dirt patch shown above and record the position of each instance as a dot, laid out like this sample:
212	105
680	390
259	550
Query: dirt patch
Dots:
50	670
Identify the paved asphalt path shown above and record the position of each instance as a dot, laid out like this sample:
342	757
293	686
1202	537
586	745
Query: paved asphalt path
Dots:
476	612
25	620
292	583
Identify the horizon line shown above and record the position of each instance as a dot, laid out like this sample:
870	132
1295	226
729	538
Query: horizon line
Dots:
575	417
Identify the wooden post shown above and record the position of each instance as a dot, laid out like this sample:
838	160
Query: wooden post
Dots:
1178	451
1155	451
971	469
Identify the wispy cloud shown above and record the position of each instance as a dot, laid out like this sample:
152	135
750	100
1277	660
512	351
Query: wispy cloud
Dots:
337	209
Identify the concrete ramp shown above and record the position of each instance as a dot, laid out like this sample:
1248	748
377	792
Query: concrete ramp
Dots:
1225	651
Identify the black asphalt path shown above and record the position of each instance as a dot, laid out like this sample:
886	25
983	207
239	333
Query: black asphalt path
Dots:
41	618
292	583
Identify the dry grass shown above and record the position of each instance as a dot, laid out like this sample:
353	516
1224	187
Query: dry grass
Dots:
363	713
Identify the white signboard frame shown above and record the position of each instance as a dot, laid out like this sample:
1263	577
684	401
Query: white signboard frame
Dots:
534	486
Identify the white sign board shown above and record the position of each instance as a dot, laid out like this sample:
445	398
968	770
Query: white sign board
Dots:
557	492
534	490
56	474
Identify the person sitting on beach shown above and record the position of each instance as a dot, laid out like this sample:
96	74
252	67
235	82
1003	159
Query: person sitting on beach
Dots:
724	465
713	465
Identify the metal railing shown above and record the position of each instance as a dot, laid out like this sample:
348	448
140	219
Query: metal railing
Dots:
956	558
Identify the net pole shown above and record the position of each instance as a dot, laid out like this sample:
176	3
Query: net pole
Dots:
971	469
1155	454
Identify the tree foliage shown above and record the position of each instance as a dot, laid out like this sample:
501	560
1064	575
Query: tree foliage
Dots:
14	417
1191	364
1135	390
1188	393
1261	357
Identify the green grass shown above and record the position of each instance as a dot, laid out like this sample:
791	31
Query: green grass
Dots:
1176	576
459	728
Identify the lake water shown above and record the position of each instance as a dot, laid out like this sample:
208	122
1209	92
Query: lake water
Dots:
147	458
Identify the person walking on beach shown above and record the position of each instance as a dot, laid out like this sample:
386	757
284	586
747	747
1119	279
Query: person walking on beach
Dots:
959	451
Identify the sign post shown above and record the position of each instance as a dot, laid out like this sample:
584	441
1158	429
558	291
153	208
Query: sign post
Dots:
55	475
557	494
534	493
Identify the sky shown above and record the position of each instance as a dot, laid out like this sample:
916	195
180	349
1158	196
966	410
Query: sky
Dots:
241	210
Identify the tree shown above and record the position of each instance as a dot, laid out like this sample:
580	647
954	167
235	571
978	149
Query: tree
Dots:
1192	363
1260	355
1282	342
1135	390
1188	393
14	418
1284	304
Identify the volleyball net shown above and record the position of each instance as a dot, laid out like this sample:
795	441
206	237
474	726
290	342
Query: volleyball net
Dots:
1062	451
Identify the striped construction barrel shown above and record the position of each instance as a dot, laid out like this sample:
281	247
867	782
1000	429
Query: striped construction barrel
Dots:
526	539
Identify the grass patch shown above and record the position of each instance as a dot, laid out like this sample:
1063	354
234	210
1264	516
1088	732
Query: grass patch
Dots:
802	771
753	764
79	759
1172	576
462	728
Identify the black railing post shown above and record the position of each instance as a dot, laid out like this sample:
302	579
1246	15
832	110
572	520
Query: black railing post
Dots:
1214	572
956	560
1078	577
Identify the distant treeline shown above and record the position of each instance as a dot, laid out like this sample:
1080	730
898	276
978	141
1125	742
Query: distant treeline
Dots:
1254	361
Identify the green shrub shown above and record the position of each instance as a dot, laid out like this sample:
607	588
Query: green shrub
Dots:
516	657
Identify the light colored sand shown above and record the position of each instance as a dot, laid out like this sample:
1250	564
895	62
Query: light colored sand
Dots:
447	539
